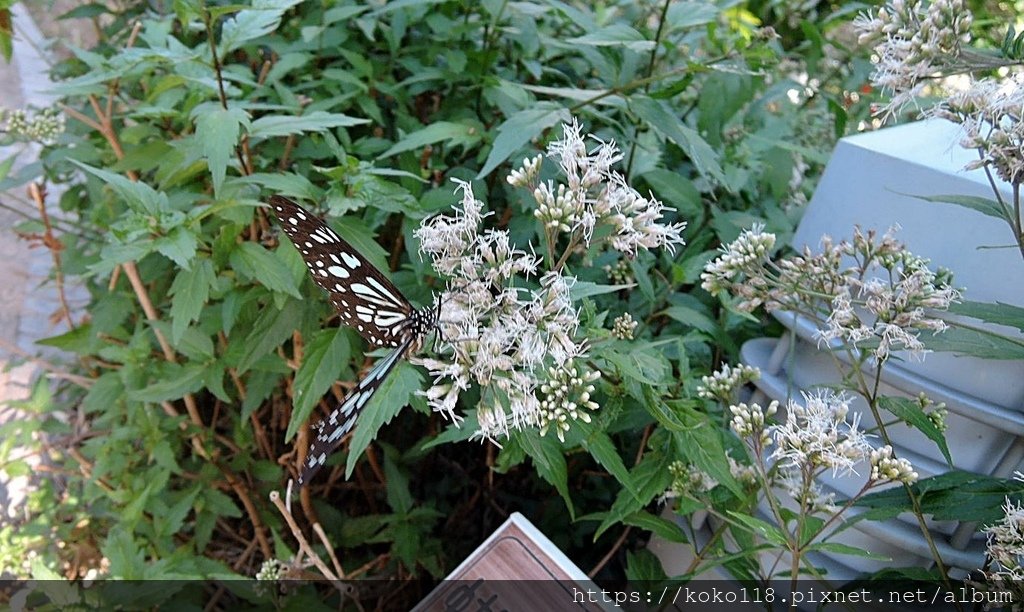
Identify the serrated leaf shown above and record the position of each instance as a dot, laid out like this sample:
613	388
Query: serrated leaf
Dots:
175	383
189	293
268	268
986	206
663	120
393	395
136	194
762	528
845	549
179	246
324	356
263	18
285	183
961	340
582	289
455	133
602	449
692	318
998	313
911	412
273	327
518	130
651	477
217	132
657	525
546	453
615	35
701	443
285	125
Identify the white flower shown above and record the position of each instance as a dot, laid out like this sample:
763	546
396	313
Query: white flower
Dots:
885	468
722	383
624	326
817	434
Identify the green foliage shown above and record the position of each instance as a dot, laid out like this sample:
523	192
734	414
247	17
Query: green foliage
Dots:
190	414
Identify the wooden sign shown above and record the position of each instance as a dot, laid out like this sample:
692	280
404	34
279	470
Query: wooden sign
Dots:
516	568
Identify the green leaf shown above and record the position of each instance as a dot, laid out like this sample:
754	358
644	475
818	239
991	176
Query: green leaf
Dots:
651	478
127	558
268	268
666	122
974	342
764	529
701	443
6	165
601	447
136	194
584	289
325	355
998	313
657	525
190	291
285	125
845	549
910	411
393	395
176	382
217	133
520	129
284	183
273	327
692	318
642	566
263	18
457	134
985	206
615	35
179	246
953	496
546	453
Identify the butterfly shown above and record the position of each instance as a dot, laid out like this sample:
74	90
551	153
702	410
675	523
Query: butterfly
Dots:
367	301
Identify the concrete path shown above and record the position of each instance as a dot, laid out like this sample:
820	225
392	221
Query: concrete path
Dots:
27	299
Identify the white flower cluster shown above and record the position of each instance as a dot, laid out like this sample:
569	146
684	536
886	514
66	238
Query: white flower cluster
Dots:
43	127
270	570
594	194
494	333
688	480
566	397
885	468
990	112
853	304
624	326
897	307
817	434
621	273
749	421
741	258
913	42
1006	542
722	383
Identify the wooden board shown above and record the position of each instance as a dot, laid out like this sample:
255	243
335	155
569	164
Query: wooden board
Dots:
517	568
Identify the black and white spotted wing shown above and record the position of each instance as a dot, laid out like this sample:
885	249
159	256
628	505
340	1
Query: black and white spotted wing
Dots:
367	301
342	419
365	298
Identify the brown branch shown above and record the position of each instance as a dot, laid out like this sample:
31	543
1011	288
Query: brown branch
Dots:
615	547
250	509
54	246
304	546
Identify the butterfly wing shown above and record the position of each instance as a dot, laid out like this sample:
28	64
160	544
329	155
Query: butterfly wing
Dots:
343	418
364	297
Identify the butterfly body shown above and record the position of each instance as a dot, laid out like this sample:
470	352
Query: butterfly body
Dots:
367	301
